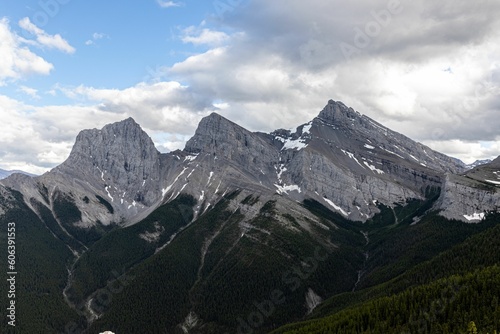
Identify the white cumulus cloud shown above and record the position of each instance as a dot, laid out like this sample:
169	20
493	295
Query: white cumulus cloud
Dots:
17	60
168	4
32	92
204	37
45	40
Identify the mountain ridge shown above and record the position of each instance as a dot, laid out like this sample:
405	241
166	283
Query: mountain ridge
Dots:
341	158
342	200
6	173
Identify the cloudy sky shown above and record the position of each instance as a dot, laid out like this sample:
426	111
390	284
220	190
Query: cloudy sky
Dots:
428	69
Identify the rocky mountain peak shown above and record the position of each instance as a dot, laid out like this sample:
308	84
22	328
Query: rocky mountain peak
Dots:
122	141
336	112
215	132
216	122
120	155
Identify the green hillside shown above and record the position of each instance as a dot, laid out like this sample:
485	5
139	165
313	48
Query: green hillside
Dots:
471	263
445	306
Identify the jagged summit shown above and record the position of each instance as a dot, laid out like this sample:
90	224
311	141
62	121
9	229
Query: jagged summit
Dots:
130	120
336	112
341	158
252	204
127	123
121	154
122	145
216	133
212	124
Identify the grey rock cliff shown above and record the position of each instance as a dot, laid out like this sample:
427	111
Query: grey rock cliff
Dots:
470	196
120	157
343	159
118	164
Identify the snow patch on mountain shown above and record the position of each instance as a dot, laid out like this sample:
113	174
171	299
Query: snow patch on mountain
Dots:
280	171
351	155
166	190
392	153
286	188
414	158
475	216
210	178
478	163
109	194
336	207
290	144
294	141
191	157
373	168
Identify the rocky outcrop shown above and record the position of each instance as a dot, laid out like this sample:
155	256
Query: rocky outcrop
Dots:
470	196
224	140
111	175
121	158
465	199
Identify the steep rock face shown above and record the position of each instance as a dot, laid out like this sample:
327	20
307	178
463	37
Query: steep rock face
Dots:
221	157
110	175
122	156
6	200
364	128
352	194
351	163
343	159
471	195
225	140
465	199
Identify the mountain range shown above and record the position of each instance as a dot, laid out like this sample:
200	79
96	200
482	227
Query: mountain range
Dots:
478	163
238	232
6	173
